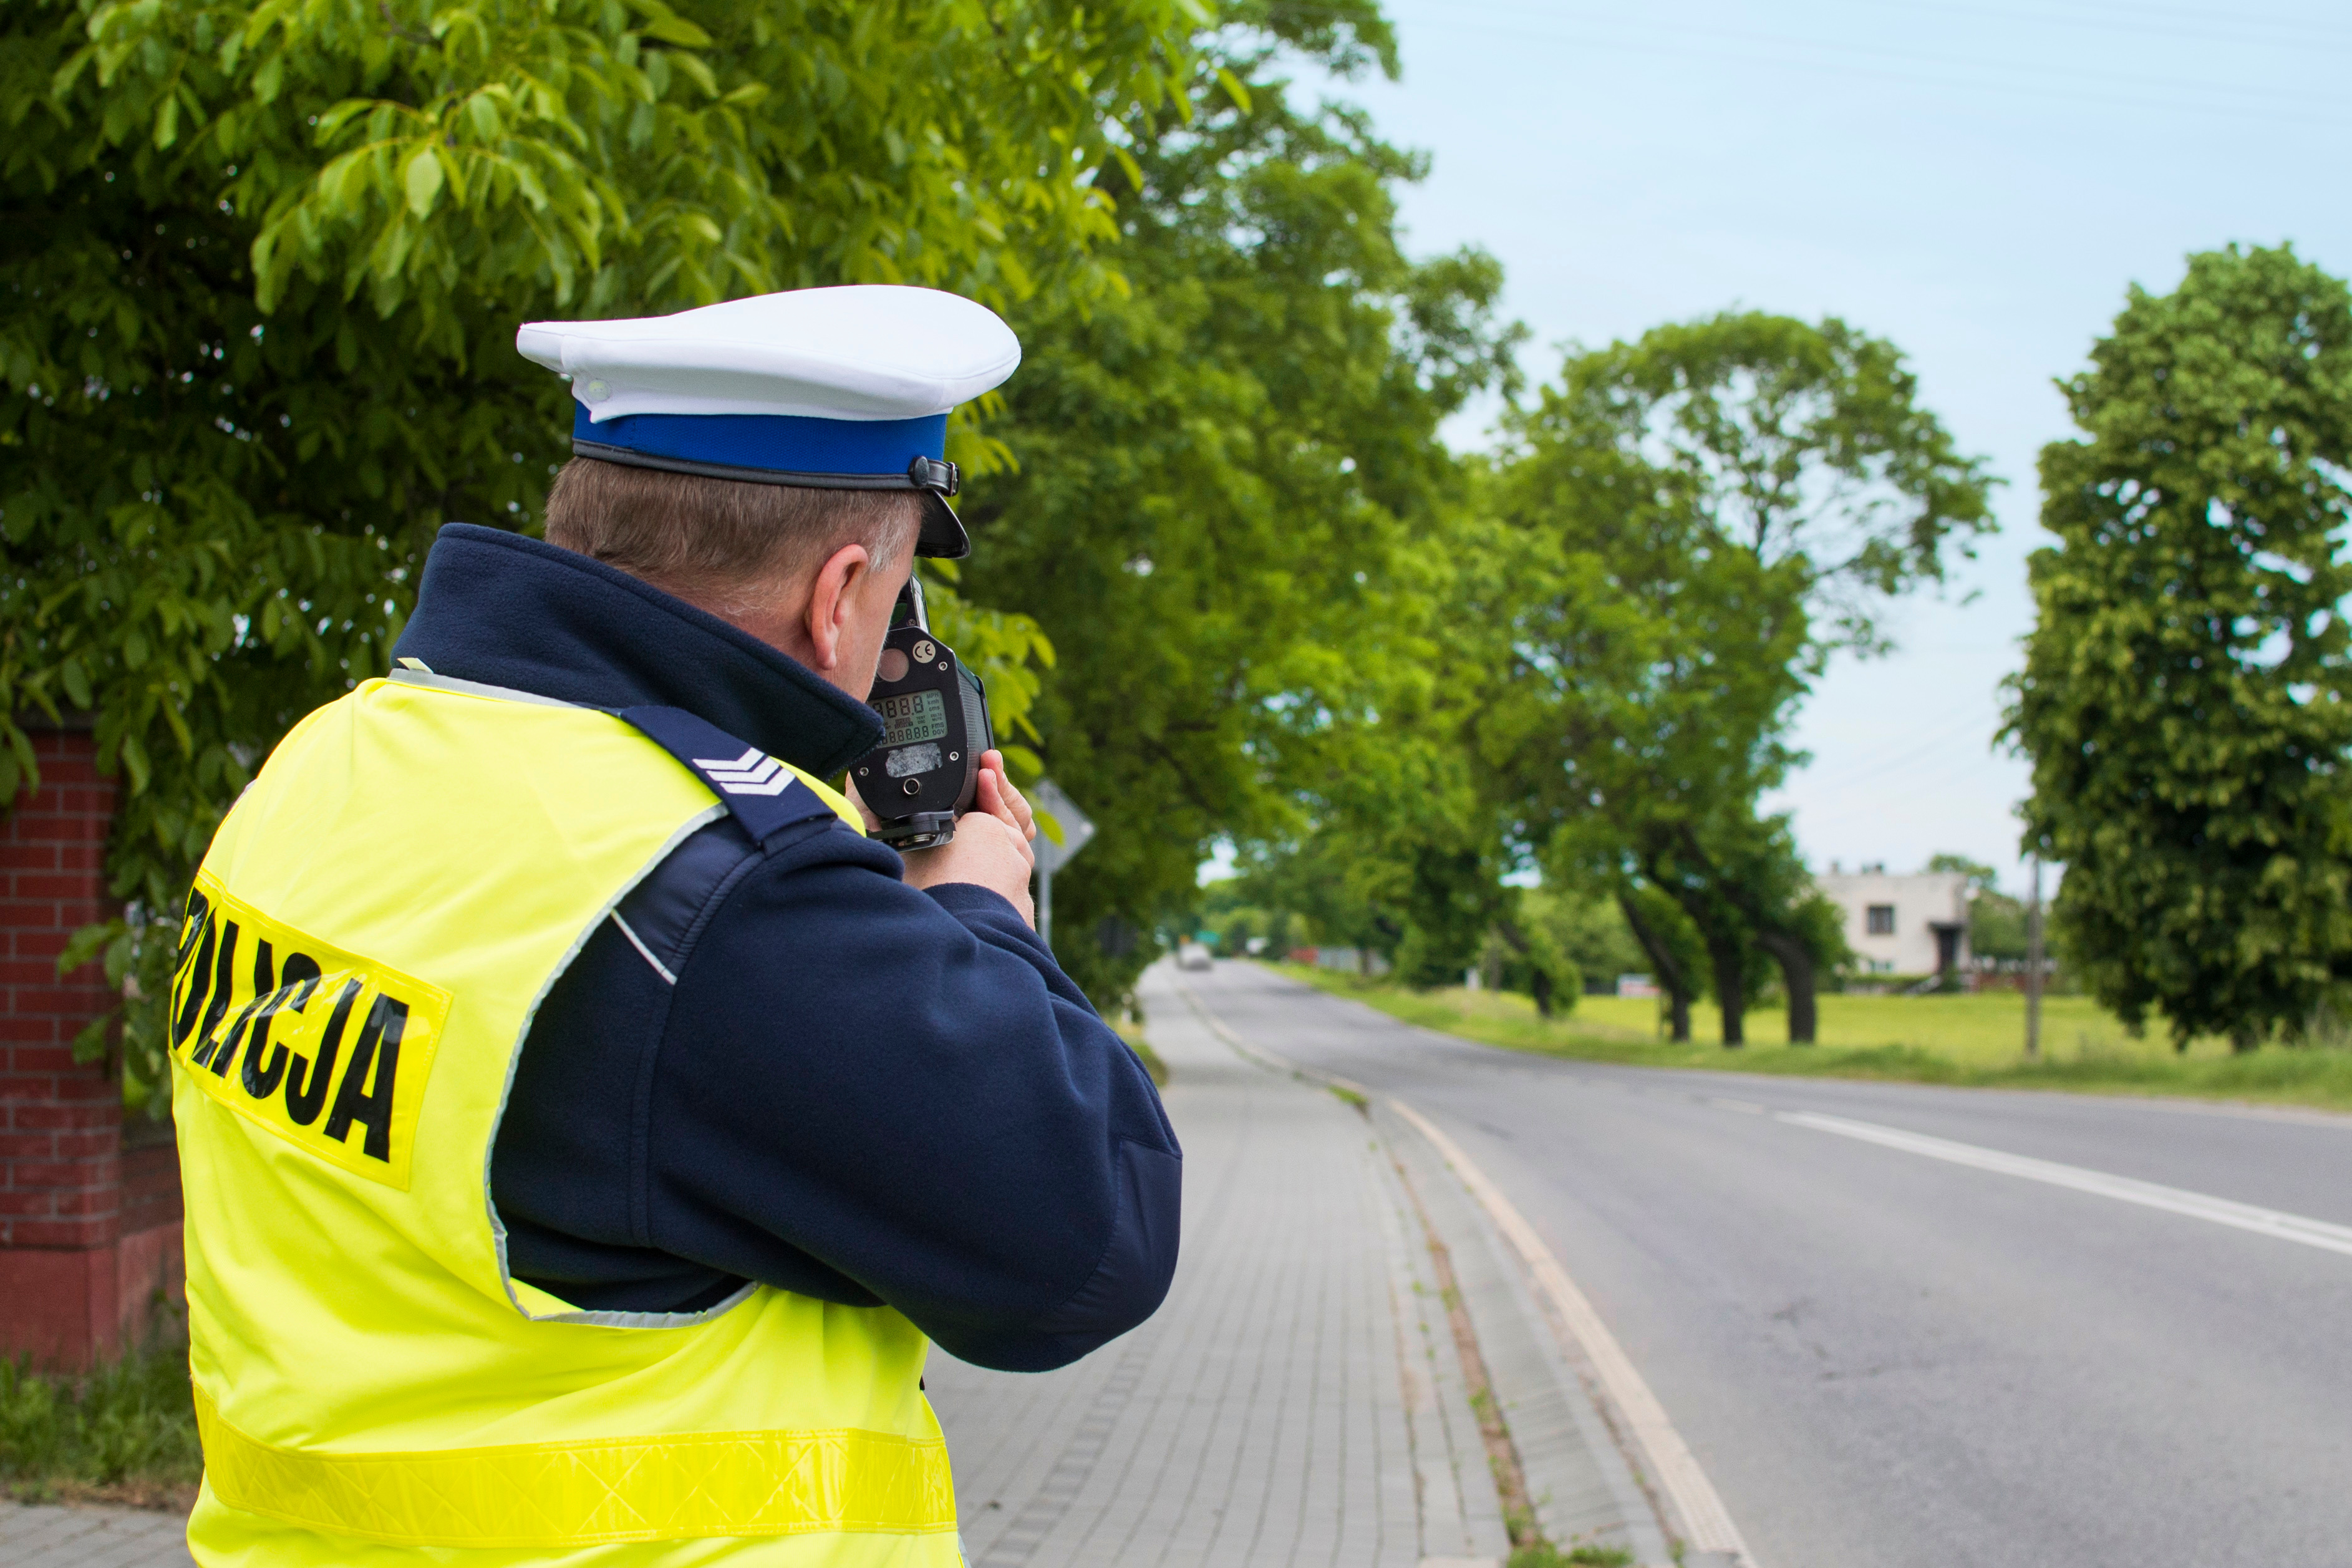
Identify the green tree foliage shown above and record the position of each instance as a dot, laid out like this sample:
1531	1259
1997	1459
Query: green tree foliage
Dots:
1589	932
1227	909
1982	879
1557	945
1316	880
1643	705
1220	478
1702	517
2184	694
1996	921
1401	844
1996	928
1805	445
264	262
1399	810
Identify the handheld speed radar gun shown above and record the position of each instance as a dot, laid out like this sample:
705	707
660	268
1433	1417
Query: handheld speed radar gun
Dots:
934	713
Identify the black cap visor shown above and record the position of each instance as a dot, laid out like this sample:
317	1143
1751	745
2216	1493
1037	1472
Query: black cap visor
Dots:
942	537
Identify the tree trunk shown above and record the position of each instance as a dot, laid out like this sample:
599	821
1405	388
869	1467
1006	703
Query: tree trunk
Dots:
1796	961
1670	978
1787	948
1730	988
1540	986
1726	950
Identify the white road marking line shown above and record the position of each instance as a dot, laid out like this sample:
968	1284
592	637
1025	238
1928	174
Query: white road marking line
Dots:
2272	1223
1676	1469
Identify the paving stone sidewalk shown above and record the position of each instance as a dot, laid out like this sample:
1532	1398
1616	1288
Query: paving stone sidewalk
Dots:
1298	1400
44	1536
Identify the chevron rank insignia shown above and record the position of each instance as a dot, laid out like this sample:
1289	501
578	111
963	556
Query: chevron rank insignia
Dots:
759	789
754	772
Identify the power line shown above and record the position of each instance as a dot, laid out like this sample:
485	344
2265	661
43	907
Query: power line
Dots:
1870	51
2061	81
1978	84
2151	19
1895	749
1894	768
2138	21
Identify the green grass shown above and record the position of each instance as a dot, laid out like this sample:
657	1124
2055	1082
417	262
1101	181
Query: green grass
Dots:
1543	1555
124	1433
1973	1040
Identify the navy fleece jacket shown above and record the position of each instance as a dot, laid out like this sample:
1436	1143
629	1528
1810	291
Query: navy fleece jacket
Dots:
781	1063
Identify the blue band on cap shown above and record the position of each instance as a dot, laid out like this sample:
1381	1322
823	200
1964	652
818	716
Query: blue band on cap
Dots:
780	443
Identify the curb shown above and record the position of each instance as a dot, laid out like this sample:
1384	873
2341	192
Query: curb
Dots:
1672	1480
1461	1505
1582	1486
1602	1460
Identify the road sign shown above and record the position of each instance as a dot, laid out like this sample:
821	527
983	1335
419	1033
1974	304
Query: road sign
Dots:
1047	798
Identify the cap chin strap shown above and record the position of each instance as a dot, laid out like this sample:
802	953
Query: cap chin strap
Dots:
942	536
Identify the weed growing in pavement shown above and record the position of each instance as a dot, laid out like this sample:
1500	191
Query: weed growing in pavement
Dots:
124	1432
1530	1548
1545	1555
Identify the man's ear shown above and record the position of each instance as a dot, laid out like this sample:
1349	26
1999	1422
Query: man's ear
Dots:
829	604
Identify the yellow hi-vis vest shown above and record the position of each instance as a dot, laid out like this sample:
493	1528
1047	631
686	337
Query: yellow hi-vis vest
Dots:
370	934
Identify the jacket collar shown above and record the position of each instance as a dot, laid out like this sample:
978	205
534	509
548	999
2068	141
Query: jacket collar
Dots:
504	610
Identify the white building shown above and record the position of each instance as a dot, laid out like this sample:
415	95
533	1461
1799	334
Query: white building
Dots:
1902	925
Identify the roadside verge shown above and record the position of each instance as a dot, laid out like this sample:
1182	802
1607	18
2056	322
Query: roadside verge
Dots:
2317	1079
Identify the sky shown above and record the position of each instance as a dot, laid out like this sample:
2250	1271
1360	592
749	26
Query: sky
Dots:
1977	182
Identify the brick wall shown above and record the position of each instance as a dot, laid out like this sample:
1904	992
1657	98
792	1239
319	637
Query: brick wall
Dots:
81	1261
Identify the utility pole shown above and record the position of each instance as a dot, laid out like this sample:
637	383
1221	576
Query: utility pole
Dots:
1073	828
2033	966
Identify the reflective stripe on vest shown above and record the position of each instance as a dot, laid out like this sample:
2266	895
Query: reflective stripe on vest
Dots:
374	927
578	1494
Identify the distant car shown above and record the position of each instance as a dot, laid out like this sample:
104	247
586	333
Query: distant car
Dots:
1192	955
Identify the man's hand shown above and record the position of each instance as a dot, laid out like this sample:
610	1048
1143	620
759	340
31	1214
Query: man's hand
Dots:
990	848
1001	800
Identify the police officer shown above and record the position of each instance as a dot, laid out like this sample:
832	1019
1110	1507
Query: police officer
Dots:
585	1128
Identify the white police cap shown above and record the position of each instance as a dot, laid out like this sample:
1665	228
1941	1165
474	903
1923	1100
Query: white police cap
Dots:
844	388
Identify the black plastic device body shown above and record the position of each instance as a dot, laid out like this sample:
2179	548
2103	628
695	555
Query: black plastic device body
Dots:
934	711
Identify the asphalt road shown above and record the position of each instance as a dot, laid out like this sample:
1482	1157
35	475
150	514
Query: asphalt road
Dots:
1885	1358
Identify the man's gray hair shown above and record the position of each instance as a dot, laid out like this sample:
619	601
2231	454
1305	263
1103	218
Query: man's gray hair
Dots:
711	541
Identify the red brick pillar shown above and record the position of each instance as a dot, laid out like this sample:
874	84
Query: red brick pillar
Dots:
76	1282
